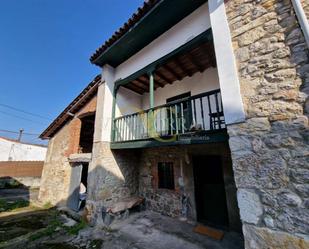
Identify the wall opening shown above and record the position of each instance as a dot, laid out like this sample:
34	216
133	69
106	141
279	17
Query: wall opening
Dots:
166	175
78	186
210	196
86	133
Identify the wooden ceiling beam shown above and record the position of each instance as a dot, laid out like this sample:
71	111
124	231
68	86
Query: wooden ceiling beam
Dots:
159	83
144	82
135	88
171	71
139	84
209	51
182	67
195	62
162	77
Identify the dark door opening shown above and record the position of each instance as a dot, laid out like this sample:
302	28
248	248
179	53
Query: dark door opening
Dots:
78	186
86	134
210	196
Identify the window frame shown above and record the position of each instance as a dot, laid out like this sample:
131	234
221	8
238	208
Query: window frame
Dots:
168	175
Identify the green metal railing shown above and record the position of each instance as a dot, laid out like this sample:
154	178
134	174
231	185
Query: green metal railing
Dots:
202	112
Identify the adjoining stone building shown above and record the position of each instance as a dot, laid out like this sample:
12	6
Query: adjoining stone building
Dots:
202	110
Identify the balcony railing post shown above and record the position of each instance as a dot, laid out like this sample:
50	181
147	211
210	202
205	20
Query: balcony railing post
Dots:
151	104
113	114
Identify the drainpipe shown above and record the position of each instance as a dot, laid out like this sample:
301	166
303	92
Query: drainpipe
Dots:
302	19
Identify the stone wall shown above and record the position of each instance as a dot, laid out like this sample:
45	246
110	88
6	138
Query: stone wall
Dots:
57	169
169	202
270	151
112	175
164	201
305	5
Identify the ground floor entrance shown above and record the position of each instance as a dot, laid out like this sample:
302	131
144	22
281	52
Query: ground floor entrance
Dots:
210	195
195	182
78	186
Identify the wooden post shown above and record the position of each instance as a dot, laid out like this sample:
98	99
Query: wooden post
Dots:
113	114
151	104
151	90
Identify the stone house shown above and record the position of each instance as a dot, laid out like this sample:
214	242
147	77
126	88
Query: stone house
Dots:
202	110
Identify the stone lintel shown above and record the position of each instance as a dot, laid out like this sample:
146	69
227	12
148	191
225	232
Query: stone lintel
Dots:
80	158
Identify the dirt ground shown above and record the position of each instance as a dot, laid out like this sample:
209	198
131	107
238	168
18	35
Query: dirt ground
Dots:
30	227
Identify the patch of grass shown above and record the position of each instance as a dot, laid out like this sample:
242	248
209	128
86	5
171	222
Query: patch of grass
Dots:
50	229
11	205
76	228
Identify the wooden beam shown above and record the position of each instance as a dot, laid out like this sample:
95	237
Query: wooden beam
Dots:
151	90
140	80
181	66
208	50
141	85
159	84
212	137
195	62
171	71
156	84
161	76
135	88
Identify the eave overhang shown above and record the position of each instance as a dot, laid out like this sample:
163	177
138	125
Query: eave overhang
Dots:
68	113
160	18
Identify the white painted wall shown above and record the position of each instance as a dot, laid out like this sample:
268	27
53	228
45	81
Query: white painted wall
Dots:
15	151
128	102
191	26
198	83
225	78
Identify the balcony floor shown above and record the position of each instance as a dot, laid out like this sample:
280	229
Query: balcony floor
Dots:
200	137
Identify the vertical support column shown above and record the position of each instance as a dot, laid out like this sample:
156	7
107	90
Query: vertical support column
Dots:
104	110
151	104
113	113
151	90
226	64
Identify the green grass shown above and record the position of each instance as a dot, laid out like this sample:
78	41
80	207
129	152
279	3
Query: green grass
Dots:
11	205
50	229
56	223
76	228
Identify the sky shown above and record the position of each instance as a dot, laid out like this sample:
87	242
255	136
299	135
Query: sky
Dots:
45	46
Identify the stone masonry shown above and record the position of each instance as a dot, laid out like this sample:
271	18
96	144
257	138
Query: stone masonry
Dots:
112	175
270	151
56	173
169	202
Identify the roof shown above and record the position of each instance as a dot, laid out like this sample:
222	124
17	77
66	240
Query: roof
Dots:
151	20
16	141
138	15
79	102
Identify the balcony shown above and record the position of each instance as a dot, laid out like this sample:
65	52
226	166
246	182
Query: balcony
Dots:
195	119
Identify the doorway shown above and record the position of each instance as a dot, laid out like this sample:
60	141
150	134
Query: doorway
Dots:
210	195
78	186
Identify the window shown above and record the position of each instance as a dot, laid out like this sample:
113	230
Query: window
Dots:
166	175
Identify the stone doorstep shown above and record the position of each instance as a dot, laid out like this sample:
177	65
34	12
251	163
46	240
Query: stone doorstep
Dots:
80	158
